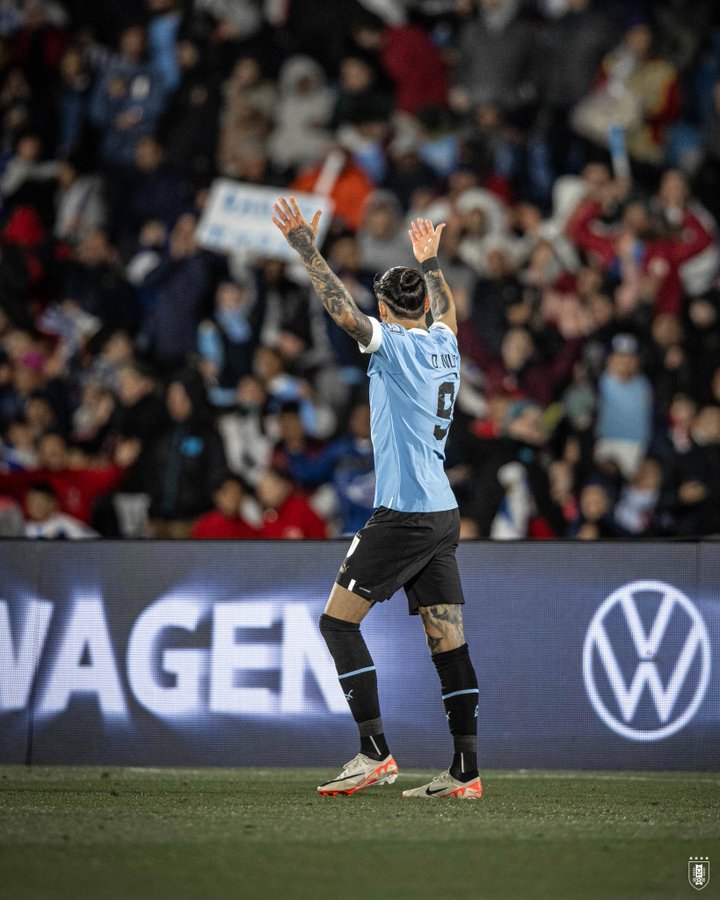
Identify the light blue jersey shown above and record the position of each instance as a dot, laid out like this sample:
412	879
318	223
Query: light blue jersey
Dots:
414	377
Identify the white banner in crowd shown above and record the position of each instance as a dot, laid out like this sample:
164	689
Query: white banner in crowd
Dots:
238	218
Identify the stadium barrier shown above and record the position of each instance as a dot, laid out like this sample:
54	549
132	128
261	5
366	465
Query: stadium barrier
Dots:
598	656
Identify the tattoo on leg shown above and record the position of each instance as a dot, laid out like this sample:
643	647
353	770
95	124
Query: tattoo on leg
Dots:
443	627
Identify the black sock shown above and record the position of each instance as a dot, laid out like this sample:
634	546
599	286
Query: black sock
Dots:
374	745
464	766
459	687
358	680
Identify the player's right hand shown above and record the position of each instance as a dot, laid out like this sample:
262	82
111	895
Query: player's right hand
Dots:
424	238
298	232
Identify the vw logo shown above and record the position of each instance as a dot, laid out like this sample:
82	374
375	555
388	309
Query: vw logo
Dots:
646	660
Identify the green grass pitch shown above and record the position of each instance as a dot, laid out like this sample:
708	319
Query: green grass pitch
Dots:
111	833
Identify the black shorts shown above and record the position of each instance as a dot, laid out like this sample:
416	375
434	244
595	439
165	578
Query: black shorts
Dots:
415	551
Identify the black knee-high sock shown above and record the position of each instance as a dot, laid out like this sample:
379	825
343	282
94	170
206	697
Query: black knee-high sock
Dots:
358	680
459	687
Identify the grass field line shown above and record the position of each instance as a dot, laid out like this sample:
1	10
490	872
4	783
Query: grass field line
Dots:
495	774
696	778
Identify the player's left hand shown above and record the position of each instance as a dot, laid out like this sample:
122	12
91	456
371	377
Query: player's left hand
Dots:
425	239
298	232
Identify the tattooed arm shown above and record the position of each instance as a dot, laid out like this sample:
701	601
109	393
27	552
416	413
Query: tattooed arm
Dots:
425	242
333	294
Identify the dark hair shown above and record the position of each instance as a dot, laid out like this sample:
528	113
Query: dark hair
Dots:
403	290
280	473
42	487
138	367
222	478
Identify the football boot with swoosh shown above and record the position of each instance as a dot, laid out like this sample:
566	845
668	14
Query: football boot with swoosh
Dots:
359	774
445	787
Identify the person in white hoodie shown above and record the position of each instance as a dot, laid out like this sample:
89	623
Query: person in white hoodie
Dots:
305	106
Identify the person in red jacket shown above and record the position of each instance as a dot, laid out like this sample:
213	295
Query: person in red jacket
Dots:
658	258
516	372
225	521
286	514
76	489
416	85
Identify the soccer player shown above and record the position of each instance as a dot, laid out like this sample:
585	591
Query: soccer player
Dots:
410	540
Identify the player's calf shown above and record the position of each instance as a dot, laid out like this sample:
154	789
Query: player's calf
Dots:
358	680
458	682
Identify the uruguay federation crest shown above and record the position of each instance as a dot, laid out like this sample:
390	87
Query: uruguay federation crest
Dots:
699	872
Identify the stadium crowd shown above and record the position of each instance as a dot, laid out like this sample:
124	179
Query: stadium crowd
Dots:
152	387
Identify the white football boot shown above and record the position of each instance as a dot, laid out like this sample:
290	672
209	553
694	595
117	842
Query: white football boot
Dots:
444	787
359	774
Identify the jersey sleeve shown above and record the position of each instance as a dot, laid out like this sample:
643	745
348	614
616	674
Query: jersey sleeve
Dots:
375	339
388	343
445	329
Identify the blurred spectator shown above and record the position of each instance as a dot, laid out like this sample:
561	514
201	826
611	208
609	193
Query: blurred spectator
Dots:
648	262
635	509
186	459
156	192
247	113
692	490
594	521
637	91
406	174
227	342
18	448
302	114
26	177
346	463
572	46
76	488
180	283
415	86
91	419
516	371
509	495
382	237
79	201
226	520
248	447
140	415
363	96
345	182
625	400
93	278
495	57
317	417
74	103
44	520
187	126
127	99
285	513
162	32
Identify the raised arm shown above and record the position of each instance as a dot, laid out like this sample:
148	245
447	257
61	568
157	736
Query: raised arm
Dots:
425	242
333	294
